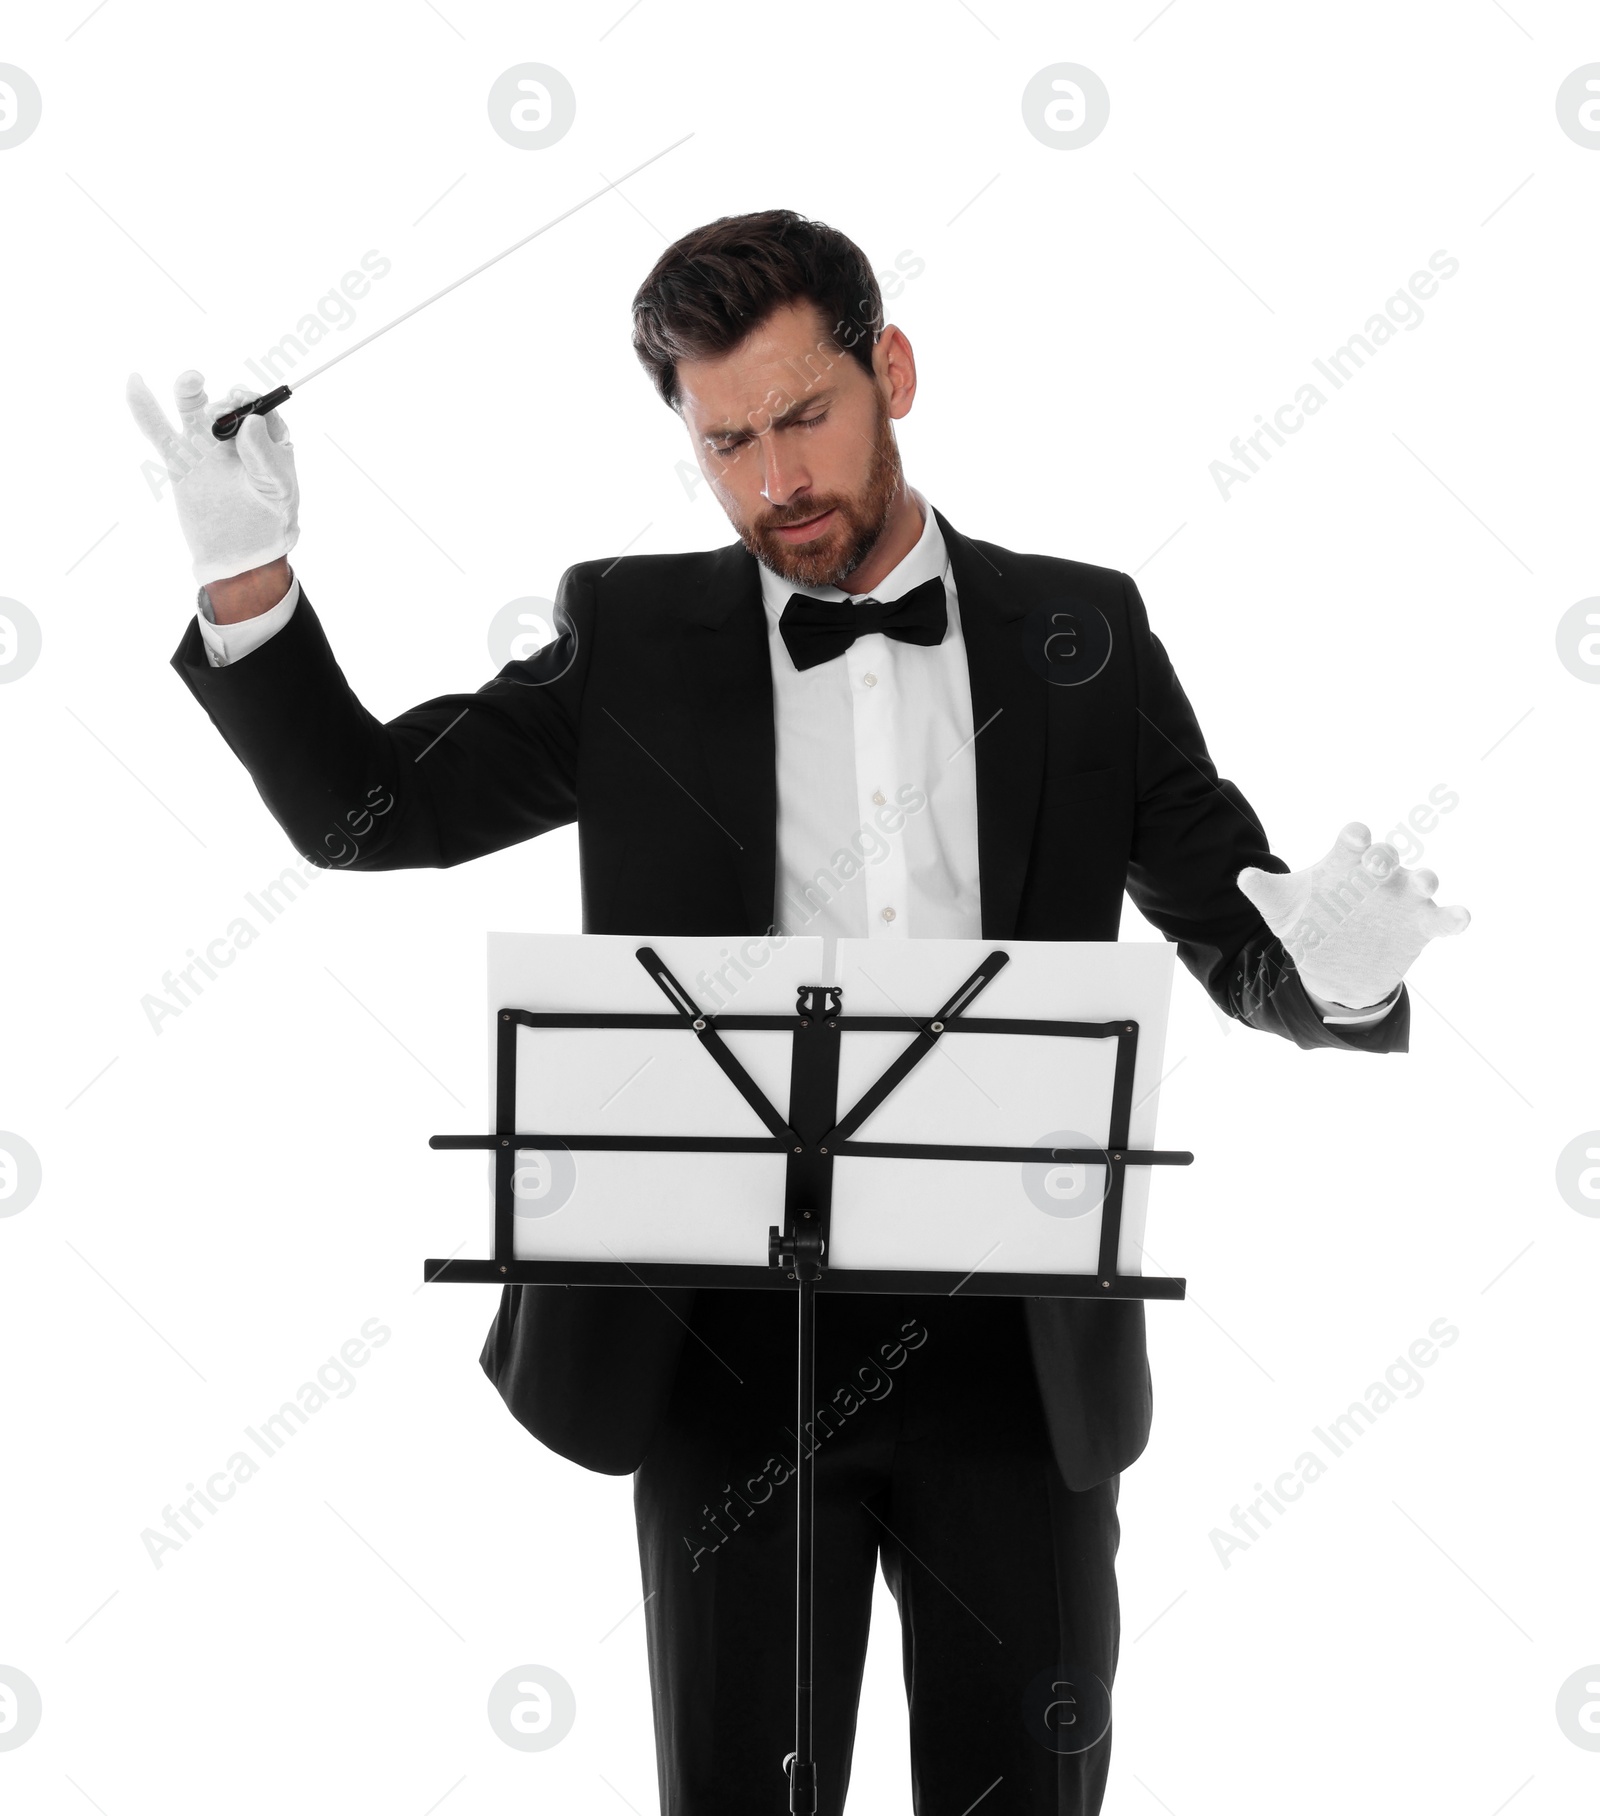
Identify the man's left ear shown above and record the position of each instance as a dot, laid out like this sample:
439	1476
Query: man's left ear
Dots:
895	365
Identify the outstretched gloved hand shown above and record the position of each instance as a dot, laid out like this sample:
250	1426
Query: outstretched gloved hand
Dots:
1353	922
238	501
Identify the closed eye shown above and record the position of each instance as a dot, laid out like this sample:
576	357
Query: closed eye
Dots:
800	422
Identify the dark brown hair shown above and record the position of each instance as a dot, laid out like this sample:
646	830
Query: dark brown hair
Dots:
717	284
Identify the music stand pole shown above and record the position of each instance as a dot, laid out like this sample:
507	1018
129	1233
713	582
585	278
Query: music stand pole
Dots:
800	1256
803	1771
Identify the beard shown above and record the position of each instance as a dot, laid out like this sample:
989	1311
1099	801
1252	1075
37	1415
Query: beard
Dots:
862	517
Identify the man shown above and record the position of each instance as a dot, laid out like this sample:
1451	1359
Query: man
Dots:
726	727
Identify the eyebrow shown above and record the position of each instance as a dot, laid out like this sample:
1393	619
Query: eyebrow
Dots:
779	420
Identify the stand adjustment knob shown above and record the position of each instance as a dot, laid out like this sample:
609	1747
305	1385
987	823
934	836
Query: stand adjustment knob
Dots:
801	1252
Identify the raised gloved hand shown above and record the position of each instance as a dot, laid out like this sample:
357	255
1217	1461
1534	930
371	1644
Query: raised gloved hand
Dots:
238	501
1354	921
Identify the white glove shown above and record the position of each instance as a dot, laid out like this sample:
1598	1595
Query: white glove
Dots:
238	501
1354	921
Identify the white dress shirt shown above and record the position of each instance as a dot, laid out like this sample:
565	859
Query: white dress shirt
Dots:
877	772
877	776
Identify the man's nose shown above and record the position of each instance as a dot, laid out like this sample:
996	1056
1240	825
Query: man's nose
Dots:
784	474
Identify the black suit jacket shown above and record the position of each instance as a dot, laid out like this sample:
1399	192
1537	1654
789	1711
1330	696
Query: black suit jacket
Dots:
649	720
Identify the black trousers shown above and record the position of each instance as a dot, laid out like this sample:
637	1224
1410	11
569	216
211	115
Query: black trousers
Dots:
931	1456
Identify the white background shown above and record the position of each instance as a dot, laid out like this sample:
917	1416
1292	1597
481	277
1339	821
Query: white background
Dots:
1371	616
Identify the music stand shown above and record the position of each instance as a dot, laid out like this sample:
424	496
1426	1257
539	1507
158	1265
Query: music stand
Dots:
813	1137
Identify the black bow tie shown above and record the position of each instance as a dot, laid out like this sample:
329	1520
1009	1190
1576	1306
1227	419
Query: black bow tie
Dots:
817	630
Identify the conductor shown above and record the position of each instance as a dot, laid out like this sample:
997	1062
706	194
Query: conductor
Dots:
854	720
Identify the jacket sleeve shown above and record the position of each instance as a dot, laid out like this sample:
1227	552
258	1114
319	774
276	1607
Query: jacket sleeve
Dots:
458	776
1194	832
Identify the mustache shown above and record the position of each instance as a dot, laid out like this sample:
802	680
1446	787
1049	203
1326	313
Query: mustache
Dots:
778	520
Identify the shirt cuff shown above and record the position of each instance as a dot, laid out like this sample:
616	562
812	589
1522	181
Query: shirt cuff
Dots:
1336	1015
227	643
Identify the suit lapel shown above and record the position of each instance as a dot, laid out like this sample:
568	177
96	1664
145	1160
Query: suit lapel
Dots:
726	671
1008	716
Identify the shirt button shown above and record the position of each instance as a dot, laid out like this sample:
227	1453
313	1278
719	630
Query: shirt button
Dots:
877	797
869	680
887	913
